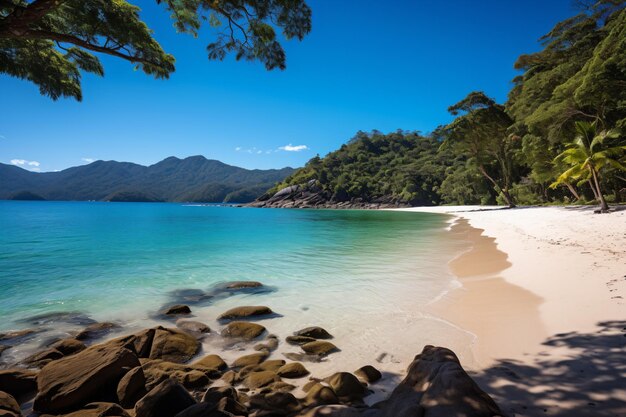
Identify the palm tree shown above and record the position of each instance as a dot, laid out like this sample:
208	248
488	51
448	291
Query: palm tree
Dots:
587	155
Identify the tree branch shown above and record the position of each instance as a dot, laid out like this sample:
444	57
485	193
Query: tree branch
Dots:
19	20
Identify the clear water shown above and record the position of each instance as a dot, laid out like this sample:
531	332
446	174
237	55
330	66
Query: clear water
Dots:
361	274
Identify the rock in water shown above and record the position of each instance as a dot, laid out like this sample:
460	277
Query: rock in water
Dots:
299	340
292	370
315	332
193	327
165	400
368	373
173	345
97	330
210	362
243	330
69	346
245	311
236	285
437	386
319	347
72	382
177	310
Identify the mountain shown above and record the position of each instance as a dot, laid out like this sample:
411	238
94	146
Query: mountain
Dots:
193	179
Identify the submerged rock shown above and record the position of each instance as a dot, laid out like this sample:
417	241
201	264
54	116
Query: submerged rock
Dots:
177	309
70	317
236	285
314	332
245	311
193	327
243	330
97	330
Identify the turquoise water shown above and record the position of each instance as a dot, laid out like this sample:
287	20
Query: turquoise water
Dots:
122	260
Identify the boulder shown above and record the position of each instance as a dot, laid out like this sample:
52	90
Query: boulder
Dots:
299	340
243	330
100	410
165	400
85	377
18	382
292	370
131	387
244	312
438	386
96	331
282	401
173	345
315	332
41	359
156	371
319	394
271	365
230	377
260	379
251	359
68	346
214	394
200	410
228	405
279	386
210	362
319	347
8	406
346	385
368	373
193	327
340	411
177	309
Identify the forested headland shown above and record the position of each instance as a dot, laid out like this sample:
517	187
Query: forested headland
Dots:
559	138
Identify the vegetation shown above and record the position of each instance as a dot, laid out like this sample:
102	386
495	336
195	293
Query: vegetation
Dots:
519	152
50	42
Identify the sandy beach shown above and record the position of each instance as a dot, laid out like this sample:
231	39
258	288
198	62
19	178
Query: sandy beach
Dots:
543	291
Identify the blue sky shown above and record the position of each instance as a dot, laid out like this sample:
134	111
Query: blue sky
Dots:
366	65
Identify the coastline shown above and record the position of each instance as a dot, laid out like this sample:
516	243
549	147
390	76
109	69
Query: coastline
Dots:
551	284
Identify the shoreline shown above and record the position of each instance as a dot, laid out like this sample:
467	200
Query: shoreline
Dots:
551	284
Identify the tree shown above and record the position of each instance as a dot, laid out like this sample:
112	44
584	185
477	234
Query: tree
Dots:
480	132
588	154
50	42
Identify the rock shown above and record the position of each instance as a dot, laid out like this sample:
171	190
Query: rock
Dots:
251	359
243	330
210	362
214	394
292	370
4	347
260	379
270	345
156	371
346	385
82	378
97	330
279	386
314	332
200	410
244	312
173	345
70	317
319	394
231	406
302	357
8	406
319	347
17	336
272	365
193	327
236	285
165	400
40	359
342	411
69	346
368	374
177	309
100	410
299	340
230	377
18	382
283	401
438	386
131	387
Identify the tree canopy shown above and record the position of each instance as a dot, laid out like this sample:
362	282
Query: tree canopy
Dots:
51	42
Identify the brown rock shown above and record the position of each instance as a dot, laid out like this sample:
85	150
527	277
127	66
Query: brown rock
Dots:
193	327
319	347
165	400
173	345
299	340
156	371
231	406
341	411
210	362
41	359
131	387
302	357
260	379
8	406
368	373
315	332
96	331
245	311
214	394
18	382
17	335
100	410
319	394
270	344
279	386
243	330
292	370
69	346
283	401
251	359
235	285
177	310
201	410
346	385
82	378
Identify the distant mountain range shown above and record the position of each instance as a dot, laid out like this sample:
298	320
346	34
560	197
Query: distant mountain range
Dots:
193	179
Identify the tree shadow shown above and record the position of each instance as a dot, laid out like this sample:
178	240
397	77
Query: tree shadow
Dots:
583	375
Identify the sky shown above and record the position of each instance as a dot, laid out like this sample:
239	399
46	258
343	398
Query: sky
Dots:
367	64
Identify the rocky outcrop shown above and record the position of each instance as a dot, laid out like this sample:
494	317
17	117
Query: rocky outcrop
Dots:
311	195
8	406
18	382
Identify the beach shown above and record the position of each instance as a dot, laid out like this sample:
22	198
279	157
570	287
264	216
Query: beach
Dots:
543	291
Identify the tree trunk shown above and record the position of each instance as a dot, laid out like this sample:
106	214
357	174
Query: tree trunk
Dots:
505	192
603	204
595	192
572	190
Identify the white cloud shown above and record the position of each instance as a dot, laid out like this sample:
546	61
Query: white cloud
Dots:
292	148
238	148
88	160
32	165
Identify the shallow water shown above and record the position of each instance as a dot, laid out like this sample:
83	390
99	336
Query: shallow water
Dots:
363	275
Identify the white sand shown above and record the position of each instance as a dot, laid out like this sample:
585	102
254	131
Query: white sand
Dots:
561	302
